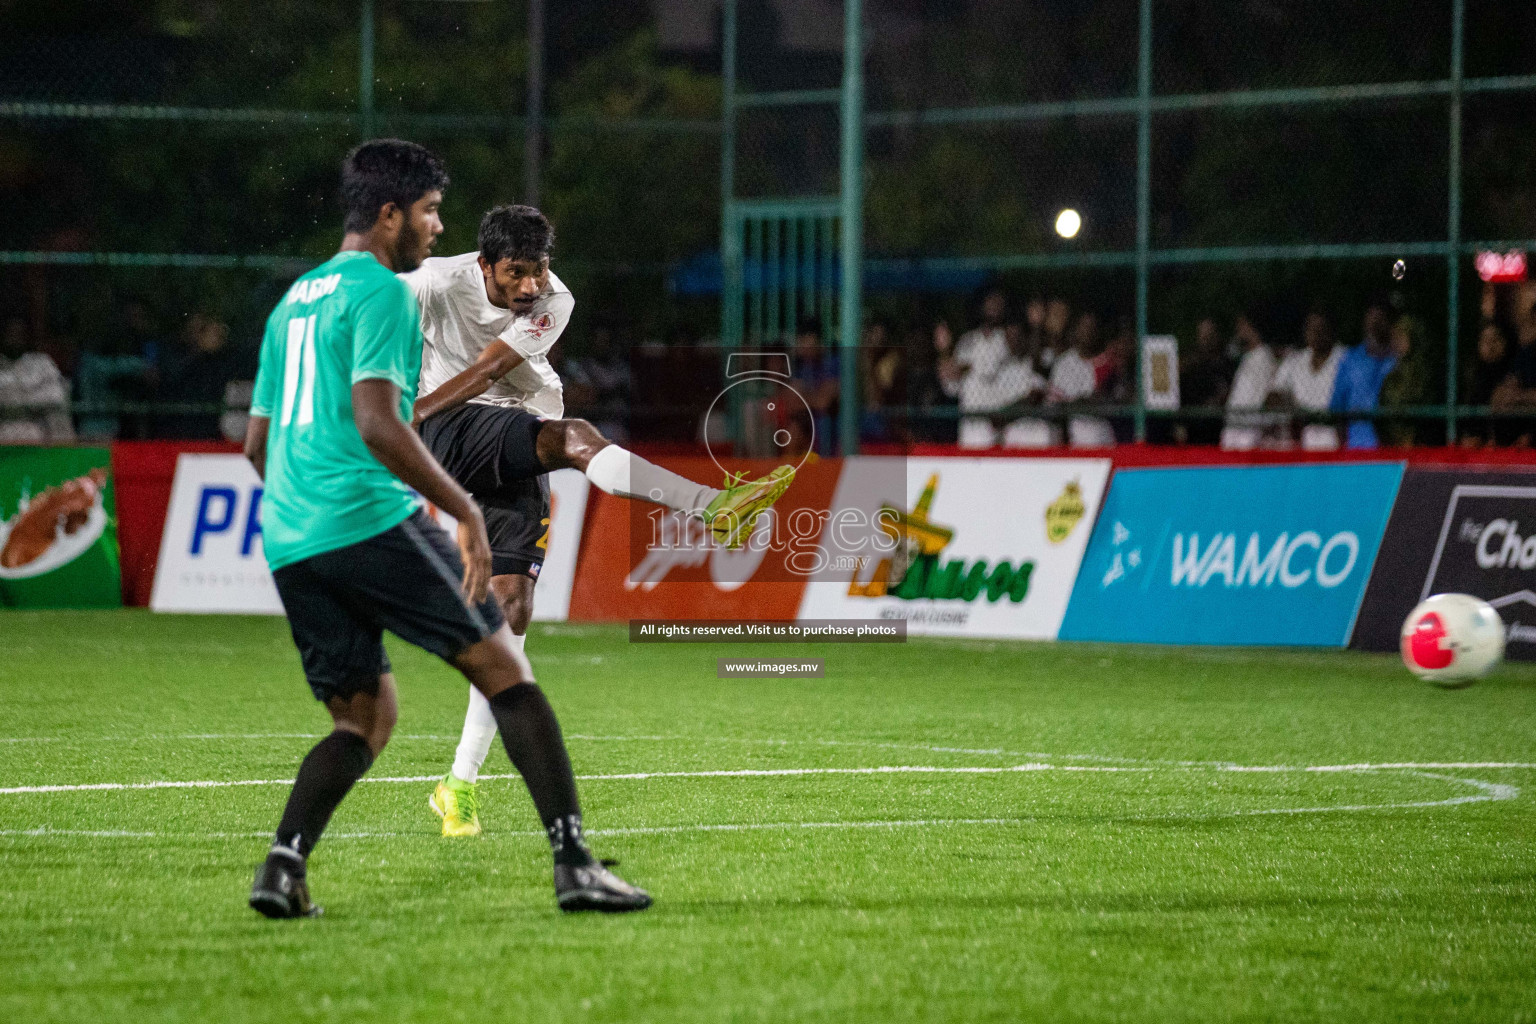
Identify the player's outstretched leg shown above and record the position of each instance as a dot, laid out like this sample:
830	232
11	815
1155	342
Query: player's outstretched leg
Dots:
363	722
532	737
730	513
456	797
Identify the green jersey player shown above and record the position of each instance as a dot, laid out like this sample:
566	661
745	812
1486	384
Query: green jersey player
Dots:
353	553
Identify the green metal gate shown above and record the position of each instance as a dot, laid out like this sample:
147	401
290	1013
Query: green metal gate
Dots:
786	258
787	270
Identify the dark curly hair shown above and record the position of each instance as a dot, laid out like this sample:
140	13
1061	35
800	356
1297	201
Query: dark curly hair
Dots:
517	233
387	171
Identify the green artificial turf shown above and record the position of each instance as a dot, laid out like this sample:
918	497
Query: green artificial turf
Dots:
1162	890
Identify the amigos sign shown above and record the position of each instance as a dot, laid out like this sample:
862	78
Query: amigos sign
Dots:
971	547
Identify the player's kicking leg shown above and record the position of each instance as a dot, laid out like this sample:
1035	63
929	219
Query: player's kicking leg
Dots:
486	447
730	513
408	580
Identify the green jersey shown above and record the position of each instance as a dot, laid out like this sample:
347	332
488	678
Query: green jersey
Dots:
348	320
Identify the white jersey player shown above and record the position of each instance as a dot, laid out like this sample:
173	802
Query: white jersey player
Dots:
491	410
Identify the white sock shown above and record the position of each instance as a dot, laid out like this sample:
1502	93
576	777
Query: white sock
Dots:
479	731
621	472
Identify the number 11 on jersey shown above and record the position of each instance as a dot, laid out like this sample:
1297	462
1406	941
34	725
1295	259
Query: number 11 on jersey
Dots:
299	368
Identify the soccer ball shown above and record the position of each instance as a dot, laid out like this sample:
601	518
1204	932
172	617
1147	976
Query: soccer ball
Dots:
1453	640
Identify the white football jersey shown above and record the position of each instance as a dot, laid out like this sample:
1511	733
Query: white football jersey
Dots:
458	322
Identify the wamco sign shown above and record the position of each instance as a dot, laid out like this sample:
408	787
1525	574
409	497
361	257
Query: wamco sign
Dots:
1291	561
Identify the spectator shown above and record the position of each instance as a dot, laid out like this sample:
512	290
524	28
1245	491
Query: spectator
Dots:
118	368
1362	371
1020	384
884	383
1074	379
1483	381
578	394
196	374
1053	334
605	371
971	372
1408	381
1033	342
1114	378
816	377
34	396
1251	385
925	387
1518	388
1205	380
1305	381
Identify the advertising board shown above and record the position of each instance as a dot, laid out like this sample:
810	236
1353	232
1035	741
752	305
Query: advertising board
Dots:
639	561
211	556
1456	531
1241	555
962	547
58	529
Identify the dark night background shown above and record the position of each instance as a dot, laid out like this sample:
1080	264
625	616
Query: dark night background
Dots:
632	205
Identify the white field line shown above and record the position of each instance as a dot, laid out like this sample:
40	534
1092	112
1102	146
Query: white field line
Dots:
1144	764
626	776
1487	792
152	737
1033	766
636	831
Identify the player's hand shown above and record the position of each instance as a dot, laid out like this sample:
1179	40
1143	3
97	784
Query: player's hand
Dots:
475	549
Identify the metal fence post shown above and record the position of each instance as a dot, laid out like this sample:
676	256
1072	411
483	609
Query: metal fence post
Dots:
730	231
1143	203
1453	225
365	71
853	224
533	120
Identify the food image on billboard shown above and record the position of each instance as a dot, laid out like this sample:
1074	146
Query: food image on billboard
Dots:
58	537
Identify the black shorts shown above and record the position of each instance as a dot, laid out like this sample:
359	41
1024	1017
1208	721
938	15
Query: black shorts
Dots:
406	580
491	451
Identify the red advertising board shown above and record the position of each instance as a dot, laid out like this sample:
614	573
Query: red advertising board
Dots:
635	566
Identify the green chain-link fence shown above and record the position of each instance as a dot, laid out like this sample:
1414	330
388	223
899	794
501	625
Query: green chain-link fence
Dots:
1257	158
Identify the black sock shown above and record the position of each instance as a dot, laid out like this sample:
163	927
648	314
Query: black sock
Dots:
328	772
532	738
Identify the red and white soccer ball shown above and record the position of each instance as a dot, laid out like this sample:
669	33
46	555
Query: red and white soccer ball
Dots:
1453	640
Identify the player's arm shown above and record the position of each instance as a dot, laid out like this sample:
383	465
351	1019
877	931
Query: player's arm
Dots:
263	399
495	362
256	443
375	405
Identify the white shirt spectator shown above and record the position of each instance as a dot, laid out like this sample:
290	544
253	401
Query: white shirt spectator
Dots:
1017	379
33	381
1073	380
1252	384
1311	390
982	352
